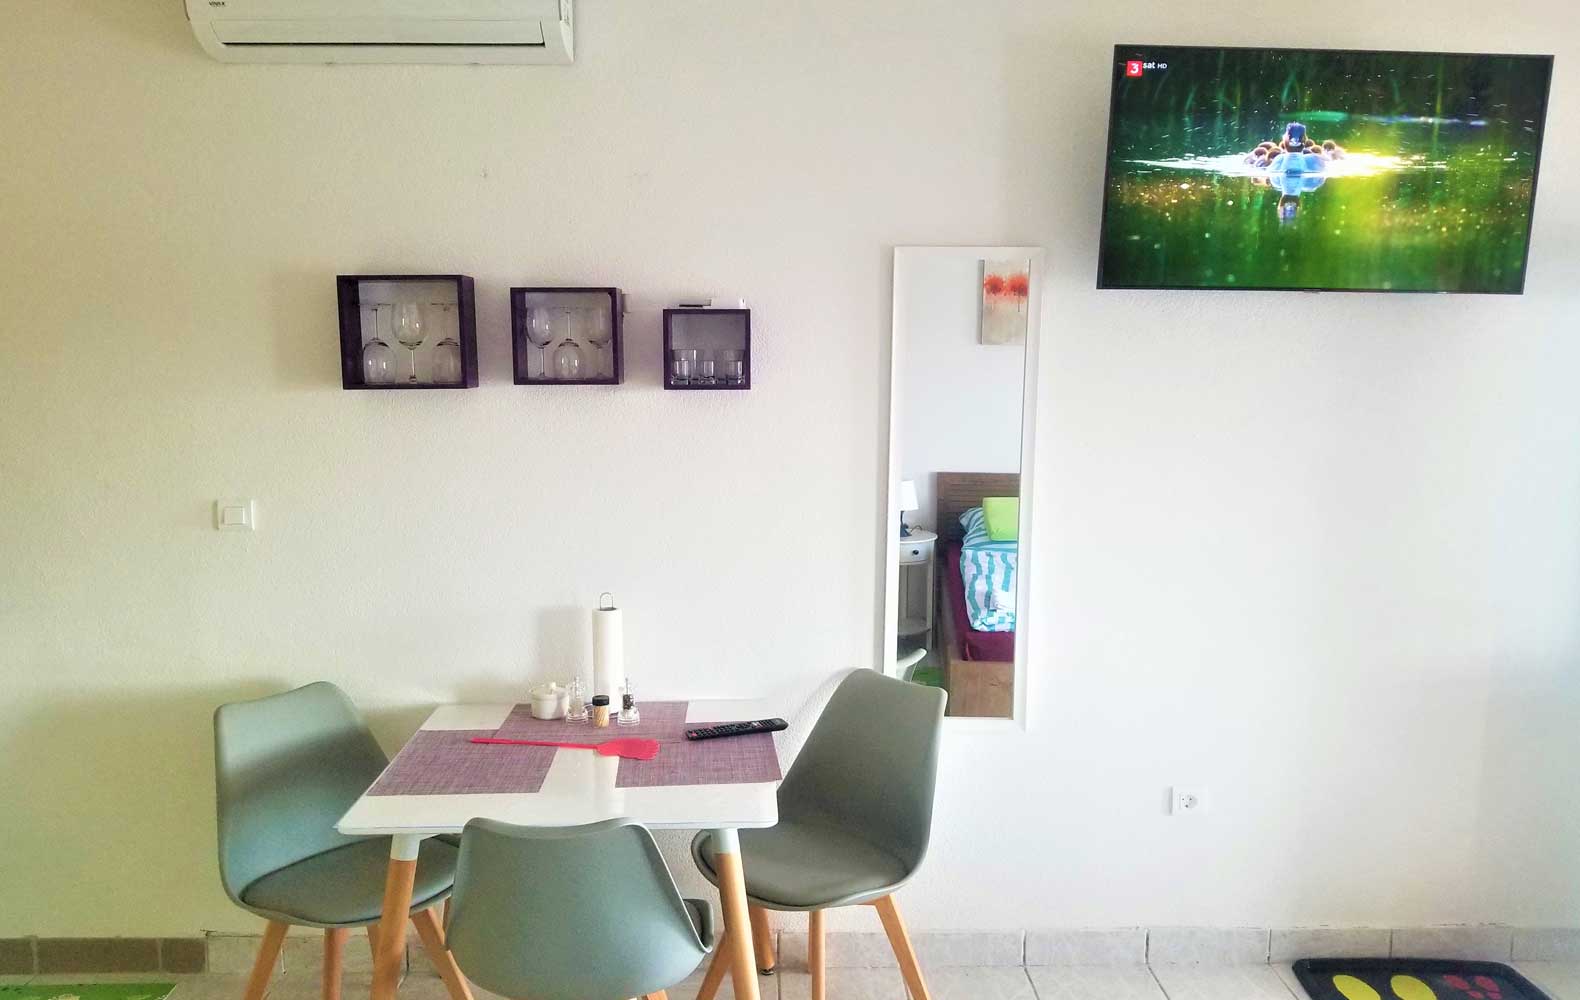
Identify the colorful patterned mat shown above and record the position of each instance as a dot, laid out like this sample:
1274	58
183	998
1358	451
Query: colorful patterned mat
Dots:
1412	979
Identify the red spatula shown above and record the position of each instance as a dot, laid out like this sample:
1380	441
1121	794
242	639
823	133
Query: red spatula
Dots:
632	748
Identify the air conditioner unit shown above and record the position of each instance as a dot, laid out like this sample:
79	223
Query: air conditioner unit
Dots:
384	31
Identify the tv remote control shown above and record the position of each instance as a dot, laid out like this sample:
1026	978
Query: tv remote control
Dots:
736	729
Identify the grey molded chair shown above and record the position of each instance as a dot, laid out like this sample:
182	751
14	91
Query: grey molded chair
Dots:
855	815
572	913
286	768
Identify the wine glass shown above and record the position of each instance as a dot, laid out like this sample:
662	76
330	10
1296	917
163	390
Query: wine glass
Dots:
446	362
599	334
378	358
568	361
538	328
410	331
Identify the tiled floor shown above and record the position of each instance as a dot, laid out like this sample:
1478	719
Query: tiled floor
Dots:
1164	982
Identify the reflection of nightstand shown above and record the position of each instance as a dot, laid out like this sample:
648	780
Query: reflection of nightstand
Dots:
916	560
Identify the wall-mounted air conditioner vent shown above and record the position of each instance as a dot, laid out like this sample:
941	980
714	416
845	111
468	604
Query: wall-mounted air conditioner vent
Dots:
384	31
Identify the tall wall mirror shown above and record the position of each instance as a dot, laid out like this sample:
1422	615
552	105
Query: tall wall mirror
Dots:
960	420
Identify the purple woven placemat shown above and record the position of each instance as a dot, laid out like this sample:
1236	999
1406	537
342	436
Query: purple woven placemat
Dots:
661	720
447	762
728	761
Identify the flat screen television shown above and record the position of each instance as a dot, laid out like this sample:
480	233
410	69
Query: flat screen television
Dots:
1313	170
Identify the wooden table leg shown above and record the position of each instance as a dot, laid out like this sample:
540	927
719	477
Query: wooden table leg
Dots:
737	921
392	920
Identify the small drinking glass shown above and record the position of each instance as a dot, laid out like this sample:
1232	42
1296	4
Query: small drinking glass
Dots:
732	367
682	365
378	358
576	707
705	370
410	331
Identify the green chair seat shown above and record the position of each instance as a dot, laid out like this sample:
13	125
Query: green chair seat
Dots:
800	865
344	887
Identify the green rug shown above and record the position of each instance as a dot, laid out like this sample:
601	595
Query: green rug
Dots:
88	991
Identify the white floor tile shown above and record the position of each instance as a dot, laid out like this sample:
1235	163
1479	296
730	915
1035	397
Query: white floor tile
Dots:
1480	943
990	983
1240	982
1560	980
845	984
1090	982
1547	944
1286	972
767	986
210	986
1207	946
1117	946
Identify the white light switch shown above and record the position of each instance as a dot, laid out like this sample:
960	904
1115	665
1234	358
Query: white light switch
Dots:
235	515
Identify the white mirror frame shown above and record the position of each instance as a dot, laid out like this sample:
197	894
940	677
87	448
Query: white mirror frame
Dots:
888	639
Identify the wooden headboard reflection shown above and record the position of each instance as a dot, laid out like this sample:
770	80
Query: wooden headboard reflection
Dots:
958	492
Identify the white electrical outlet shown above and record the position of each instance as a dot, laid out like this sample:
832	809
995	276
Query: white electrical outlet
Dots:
1187	800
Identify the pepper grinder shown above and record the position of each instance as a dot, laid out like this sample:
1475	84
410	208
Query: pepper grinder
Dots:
629	716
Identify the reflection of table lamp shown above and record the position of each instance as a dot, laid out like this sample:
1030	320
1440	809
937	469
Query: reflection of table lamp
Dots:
907	503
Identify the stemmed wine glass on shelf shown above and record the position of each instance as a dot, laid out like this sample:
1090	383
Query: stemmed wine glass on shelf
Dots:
410	331
378	360
538	328
447	352
599	334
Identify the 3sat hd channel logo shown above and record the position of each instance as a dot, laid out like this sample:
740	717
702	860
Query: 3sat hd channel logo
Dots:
1138	67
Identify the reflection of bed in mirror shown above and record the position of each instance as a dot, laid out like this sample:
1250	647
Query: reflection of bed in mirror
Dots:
979	666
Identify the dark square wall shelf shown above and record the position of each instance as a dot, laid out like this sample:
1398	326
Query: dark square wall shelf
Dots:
542	320
448	308
716	346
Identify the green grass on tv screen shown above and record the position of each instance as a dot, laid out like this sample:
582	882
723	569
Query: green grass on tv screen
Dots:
1252	168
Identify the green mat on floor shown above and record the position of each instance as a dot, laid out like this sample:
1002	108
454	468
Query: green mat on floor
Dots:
88	991
929	677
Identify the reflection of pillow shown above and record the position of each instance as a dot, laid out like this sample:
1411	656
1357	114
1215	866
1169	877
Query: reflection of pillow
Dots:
975	524
1002	515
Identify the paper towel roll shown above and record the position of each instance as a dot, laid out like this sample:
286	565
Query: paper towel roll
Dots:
608	651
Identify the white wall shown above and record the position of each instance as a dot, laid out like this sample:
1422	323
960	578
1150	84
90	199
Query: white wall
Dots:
963	399
1332	574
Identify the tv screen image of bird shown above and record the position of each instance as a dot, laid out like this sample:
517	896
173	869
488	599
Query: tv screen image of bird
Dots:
1321	170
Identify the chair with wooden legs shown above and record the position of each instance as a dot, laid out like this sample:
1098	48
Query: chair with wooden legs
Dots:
855	815
286	768
572	913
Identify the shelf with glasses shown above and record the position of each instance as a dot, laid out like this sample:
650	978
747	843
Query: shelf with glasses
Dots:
707	348
566	336
407	331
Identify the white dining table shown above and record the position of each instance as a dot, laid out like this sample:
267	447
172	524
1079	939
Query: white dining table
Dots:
579	788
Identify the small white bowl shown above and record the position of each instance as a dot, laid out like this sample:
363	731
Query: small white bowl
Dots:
549	701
